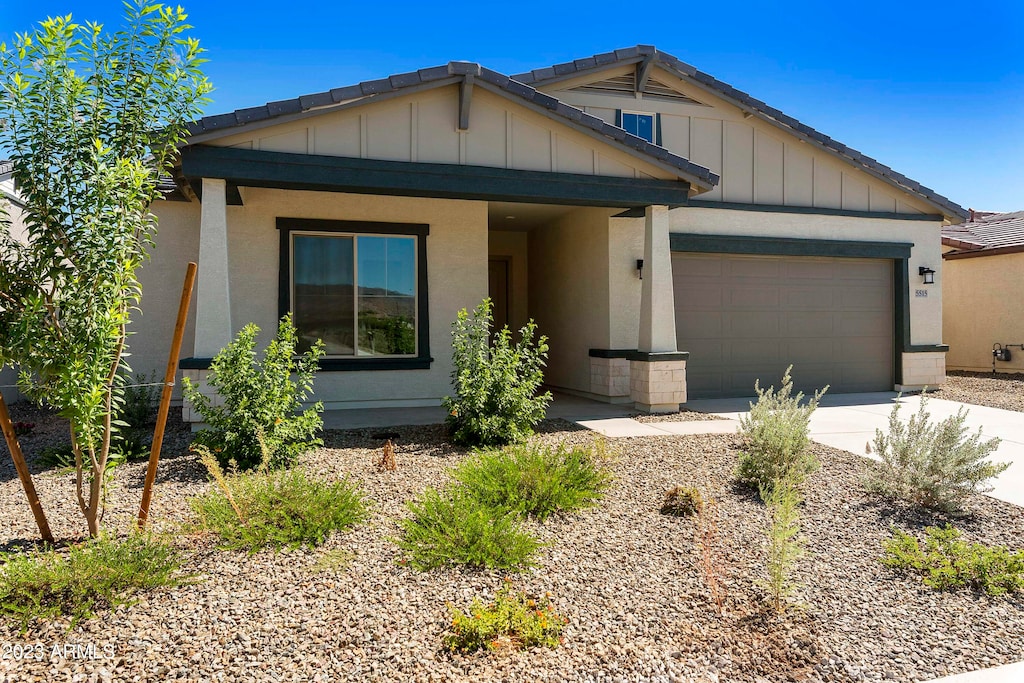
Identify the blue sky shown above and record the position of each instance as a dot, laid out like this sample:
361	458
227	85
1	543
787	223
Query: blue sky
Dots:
933	89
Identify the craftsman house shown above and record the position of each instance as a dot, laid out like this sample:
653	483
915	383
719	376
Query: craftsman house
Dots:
671	235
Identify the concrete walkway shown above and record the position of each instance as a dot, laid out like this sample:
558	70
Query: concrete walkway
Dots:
1008	673
849	421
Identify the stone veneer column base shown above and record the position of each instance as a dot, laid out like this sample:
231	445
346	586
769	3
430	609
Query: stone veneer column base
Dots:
657	386
198	378
609	377
922	370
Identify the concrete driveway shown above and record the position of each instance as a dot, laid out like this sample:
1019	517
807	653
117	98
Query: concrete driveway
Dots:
849	421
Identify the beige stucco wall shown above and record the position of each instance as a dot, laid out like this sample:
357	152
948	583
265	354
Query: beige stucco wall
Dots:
457	278
981	307
515	247
759	162
569	292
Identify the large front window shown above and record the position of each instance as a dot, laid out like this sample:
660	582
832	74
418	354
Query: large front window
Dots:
355	292
361	287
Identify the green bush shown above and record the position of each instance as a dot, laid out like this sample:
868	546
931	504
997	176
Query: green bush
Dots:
947	562
682	501
933	465
276	509
776	436
512	621
100	573
534	480
785	545
455	527
135	411
496	382
260	400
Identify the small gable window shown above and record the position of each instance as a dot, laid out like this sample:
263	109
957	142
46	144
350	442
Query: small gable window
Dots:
640	125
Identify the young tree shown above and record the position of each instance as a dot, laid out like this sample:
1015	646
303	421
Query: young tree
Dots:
91	119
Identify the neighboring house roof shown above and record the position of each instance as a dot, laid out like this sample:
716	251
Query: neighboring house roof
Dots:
222	125
6	168
987	234
641	53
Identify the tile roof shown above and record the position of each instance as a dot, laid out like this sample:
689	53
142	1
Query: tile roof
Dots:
745	101
453	72
988	233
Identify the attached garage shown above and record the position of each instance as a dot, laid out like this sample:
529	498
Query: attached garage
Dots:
745	317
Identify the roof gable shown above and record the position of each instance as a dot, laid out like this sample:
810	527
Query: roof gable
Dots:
226	128
645	59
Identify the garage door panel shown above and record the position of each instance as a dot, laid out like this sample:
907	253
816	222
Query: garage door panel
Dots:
826	351
864	298
815	269
747	297
742	323
807	298
746	318
740	267
813	324
863	269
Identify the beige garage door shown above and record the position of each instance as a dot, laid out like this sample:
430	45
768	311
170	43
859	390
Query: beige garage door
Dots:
748	317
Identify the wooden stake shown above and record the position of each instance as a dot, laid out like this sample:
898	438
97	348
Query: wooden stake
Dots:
26	477
165	396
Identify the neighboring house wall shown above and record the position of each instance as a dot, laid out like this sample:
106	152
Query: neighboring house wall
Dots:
419	128
759	163
457	278
569	292
982	307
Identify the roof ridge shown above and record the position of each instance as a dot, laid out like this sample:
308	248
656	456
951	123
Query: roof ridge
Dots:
638	52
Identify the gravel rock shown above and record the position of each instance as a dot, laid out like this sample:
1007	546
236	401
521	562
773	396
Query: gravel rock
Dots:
628	578
1003	390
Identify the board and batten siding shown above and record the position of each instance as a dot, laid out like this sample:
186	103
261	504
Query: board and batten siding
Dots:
758	162
422	127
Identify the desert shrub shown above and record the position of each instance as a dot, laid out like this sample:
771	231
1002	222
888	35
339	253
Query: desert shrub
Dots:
58	457
785	545
947	561
275	509
682	501
453	527
511	621
23	428
936	465
76	583
776	436
530	479
496	382
260	400
134	412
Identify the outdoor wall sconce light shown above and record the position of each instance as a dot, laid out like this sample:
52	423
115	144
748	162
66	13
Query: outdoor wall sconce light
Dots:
928	274
640	268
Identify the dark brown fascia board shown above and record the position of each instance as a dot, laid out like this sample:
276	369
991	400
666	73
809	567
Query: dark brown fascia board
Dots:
745	103
977	253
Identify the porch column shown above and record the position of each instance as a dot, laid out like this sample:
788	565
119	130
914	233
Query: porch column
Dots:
213	300
657	371
657	302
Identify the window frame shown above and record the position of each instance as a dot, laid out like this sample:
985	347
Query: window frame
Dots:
654	123
287	227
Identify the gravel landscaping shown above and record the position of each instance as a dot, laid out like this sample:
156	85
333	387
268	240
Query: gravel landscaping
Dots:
1004	390
627	578
679	416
